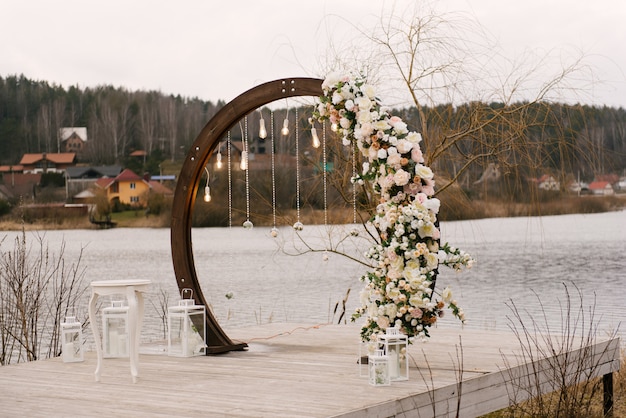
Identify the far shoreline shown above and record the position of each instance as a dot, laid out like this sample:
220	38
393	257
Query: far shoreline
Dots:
488	211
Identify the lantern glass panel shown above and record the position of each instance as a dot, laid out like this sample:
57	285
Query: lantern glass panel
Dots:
72	340
115	330
186	330
378	365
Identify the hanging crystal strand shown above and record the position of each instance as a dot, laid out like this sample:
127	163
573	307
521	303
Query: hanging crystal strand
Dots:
325	169
230	182
354	232
274	230
247	224
298	225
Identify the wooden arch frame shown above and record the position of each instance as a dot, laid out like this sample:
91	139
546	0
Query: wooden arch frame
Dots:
189	179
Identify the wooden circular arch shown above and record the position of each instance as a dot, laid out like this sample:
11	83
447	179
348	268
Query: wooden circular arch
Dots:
189	179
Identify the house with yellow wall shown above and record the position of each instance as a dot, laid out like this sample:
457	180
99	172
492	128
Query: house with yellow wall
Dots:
129	188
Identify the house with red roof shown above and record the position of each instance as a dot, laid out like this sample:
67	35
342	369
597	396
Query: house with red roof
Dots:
130	188
47	162
601	188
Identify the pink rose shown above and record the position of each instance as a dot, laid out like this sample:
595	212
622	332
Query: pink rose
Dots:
416	154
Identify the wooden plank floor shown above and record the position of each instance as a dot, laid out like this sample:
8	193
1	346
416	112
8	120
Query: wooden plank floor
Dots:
288	371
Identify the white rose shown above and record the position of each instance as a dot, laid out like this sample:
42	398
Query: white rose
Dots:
394	159
381	125
446	295
345	123
431	261
347	93
337	98
363	117
423	172
404	146
349	105
363	103
368	90
401	177
426	230
414	137
331	80
433	204
382	154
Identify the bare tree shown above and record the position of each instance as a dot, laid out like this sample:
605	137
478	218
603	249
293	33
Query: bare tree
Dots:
475	106
37	288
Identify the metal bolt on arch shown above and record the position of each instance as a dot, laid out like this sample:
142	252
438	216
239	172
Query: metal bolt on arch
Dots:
189	180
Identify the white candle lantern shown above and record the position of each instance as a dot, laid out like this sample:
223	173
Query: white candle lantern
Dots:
72	340
115	330
378	365
366	349
394	344
186	324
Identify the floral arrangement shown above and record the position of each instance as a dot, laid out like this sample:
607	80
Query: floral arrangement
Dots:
400	290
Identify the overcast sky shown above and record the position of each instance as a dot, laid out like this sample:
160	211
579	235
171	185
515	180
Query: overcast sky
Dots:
218	49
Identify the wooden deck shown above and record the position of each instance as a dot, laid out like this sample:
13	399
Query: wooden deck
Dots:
288	371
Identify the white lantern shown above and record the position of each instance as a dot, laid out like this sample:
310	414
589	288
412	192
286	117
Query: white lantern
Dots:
378	365
72	340
115	330
186	324
394	344
366	348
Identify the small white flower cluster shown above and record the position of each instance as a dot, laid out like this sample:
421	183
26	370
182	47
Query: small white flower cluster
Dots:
399	290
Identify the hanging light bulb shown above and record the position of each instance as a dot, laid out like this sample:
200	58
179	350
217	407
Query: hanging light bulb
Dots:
285	129
244	160
219	159
207	189
316	139
262	130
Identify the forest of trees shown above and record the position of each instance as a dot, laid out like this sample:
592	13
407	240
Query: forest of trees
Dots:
565	139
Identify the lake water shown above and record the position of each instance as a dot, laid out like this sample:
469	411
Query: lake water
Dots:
525	261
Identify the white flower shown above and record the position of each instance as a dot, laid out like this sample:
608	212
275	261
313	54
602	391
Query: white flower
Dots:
426	230
381	125
401	177
363	117
398	125
331	80
382	154
337	98
423	172
446	295
432	204
394	159
349	105
431	261
363	103
404	146
414	137
368	90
